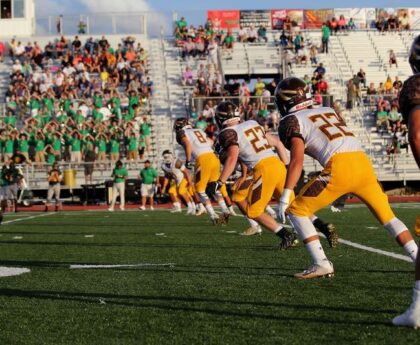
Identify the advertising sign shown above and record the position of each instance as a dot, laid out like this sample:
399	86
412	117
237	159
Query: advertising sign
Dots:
225	19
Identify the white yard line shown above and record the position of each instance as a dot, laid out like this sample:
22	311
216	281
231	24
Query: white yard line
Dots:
377	251
30	217
81	267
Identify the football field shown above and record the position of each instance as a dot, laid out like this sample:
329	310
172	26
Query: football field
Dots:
158	278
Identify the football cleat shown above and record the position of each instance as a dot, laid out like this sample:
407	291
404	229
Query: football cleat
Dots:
328	230
225	218
288	239
251	231
142	208
216	220
411	317
111	209
317	271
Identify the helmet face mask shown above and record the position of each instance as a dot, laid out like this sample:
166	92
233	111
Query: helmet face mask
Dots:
292	94
181	123
414	55
167	157
225	111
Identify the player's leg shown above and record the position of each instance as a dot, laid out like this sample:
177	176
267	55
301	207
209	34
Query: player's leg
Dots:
271	171
411	317
377	201
201	178
50	194
214	169
114	197
182	190
173	194
316	194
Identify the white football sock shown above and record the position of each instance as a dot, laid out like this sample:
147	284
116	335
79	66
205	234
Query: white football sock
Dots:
305	229
252	222
210	211
223	206
177	205
317	252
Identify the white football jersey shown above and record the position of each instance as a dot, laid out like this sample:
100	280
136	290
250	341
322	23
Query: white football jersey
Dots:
174	172
251	140
323	132
198	140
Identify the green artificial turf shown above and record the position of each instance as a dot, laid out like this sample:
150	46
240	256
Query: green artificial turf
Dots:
220	288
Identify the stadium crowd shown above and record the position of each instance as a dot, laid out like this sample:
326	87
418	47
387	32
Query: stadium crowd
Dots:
72	97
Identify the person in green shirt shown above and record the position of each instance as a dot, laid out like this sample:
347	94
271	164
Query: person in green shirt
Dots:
201	123
181	23
23	145
55	142
325	38
10	119
114	148
34	104
148	176
62	118
146	128
76	147
119	175
9	147
39	142
98	117
97	99
132	145
101	141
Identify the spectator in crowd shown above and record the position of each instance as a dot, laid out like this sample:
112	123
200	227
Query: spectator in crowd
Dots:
351	24
322	86
2	51
392	23
381	119
362	77
397	84
187	77
320	70
351	94
284	39
302	56
242	34
148	176
119	175
252	34
388	85
55	177
188	48
334	26
381	89
404	22
392	59
394	118
325	37
371	90
212	49
262	34
342	25
89	159
229	40
313	56
297	42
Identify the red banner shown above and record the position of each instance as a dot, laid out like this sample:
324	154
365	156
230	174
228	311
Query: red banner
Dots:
278	17
225	19
315	18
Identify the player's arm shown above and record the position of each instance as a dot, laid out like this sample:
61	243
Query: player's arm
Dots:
278	145
187	147
297	154
230	163
165	184
414	133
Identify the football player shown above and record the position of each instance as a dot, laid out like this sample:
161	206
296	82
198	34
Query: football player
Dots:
321	134
248	142
180	179
207	165
410	108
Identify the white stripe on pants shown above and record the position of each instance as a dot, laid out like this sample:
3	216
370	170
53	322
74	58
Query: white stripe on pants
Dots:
118	189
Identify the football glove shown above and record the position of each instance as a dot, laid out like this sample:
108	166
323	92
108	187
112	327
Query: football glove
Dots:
283	205
189	165
213	187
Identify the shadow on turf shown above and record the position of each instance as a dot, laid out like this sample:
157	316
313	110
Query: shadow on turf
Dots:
109	299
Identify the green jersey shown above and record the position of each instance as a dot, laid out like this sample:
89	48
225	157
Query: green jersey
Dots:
101	145
115	146
132	144
119	174
148	175
23	145
9	146
76	145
